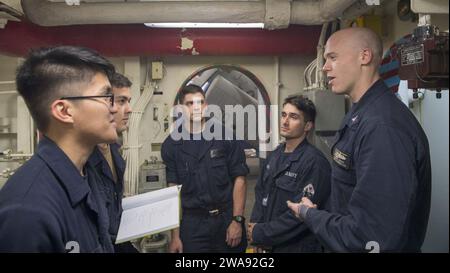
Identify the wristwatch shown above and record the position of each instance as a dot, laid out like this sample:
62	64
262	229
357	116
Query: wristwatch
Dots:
239	218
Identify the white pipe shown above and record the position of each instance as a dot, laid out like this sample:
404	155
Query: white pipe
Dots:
318	12
277	79
20	155
46	13
8	92
131	143
306	75
320	50
7	82
310	74
32	131
17	155
275	119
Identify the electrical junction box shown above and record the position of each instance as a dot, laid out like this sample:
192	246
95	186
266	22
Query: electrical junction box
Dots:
157	70
330	110
330	113
424	59
152	176
159	123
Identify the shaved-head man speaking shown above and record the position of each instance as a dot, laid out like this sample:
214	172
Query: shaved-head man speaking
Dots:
381	172
352	58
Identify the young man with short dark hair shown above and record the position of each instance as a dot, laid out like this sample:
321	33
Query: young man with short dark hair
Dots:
53	202
212	174
109	163
295	169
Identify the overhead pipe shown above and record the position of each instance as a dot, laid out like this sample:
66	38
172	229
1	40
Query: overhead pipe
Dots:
318	12
274	13
358	8
137	40
320	81
45	13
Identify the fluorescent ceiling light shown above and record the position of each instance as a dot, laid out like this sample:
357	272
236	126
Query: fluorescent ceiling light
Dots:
205	25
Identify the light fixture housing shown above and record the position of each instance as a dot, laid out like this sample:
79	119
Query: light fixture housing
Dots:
205	25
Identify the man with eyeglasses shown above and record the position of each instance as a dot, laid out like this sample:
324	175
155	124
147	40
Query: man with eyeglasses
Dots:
53	203
110	165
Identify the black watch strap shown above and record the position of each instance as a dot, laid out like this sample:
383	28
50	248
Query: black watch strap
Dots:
239	218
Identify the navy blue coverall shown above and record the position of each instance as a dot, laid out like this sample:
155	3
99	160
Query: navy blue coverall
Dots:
112	191
47	206
305	170
207	170
381	179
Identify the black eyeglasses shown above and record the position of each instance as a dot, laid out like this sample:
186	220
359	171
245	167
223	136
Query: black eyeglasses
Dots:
111	98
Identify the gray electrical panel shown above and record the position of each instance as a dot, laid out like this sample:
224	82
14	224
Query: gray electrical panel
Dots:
330	109
330	113
152	176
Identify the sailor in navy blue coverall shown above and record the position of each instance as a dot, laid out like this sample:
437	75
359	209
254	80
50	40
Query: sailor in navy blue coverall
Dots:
381	173
110	165
212	175
47	206
53	203
112	190
294	170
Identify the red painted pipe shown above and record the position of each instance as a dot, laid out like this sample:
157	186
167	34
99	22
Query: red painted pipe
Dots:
17	38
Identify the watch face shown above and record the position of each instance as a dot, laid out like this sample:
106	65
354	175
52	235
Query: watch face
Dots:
239	219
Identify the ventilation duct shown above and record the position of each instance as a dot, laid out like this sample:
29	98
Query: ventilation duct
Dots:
8	13
273	13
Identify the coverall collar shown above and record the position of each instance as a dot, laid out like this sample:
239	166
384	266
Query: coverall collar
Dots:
373	93
64	169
